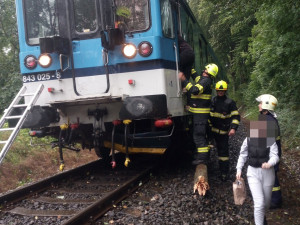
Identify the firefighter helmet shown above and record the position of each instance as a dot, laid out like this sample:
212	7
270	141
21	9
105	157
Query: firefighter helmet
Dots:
212	69
268	102
221	85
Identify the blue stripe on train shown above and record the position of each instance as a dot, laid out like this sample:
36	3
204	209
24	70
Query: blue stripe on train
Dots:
113	69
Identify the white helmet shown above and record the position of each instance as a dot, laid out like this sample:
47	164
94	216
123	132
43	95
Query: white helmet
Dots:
269	102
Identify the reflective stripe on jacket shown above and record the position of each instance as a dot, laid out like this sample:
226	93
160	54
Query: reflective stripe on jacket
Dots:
224	115
200	100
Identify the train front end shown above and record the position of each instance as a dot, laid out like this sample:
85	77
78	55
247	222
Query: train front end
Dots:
109	69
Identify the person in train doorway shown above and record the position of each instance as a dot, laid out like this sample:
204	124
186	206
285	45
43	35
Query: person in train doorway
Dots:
186	57
261	151
224	121
199	106
267	105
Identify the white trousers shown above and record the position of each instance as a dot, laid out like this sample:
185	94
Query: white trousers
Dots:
261	182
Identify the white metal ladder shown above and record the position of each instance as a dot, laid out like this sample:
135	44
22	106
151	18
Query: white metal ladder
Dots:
7	116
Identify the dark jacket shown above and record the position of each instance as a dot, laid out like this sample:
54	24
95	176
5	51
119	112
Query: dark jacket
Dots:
223	115
186	57
200	93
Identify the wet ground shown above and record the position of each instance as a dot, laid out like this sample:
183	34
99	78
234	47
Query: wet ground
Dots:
168	197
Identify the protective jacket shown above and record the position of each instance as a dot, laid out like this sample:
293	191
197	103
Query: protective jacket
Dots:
200	99
223	115
258	152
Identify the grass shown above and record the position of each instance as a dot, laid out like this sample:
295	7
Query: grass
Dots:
24	163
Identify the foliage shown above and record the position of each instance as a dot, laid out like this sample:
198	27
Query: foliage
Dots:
10	80
228	25
21	147
275	48
259	43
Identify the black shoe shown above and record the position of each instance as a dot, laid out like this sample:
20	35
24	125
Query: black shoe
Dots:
197	162
275	206
223	177
265	221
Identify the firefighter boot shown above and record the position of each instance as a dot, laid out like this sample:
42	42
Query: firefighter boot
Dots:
224	168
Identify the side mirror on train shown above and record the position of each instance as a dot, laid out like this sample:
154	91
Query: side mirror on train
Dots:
56	44
111	38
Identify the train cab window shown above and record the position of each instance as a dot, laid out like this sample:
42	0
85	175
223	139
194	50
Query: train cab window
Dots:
85	15
167	18
41	20
132	15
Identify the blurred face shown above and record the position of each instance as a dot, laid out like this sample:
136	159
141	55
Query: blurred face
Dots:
221	93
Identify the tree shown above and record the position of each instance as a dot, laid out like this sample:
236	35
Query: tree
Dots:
228	27
274	48
10	80
260	43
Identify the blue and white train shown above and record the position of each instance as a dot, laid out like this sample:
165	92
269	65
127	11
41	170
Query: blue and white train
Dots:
110	71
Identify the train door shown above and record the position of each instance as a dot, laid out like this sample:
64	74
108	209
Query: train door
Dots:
168	20
80	22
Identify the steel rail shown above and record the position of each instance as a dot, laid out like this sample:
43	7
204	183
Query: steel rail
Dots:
39	186
99	208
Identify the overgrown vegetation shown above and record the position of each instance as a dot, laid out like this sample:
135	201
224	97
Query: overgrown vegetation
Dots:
259	43
10	79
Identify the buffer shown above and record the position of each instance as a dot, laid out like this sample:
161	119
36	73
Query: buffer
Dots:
9	115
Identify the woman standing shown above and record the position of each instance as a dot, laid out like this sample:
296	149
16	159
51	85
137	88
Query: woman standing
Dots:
261	152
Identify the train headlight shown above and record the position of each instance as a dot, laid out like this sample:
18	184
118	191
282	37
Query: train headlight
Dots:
145	48
30	62
45	60
129	51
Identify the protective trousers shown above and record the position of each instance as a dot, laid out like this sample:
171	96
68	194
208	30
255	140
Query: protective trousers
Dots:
223	151
261	182
200	137
276	191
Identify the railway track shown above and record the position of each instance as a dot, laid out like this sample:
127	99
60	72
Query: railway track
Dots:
77	196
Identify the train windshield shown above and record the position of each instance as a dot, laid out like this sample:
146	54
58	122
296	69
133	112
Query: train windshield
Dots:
85	15
41	19
132	15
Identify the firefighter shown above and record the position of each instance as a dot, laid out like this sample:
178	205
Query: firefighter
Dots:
224	121
199	106
267	105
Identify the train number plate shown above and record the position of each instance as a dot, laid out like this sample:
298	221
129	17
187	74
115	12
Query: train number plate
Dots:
41	77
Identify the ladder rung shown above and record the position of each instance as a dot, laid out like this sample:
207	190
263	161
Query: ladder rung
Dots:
13	117
20	106
7	129
7	115
27	94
